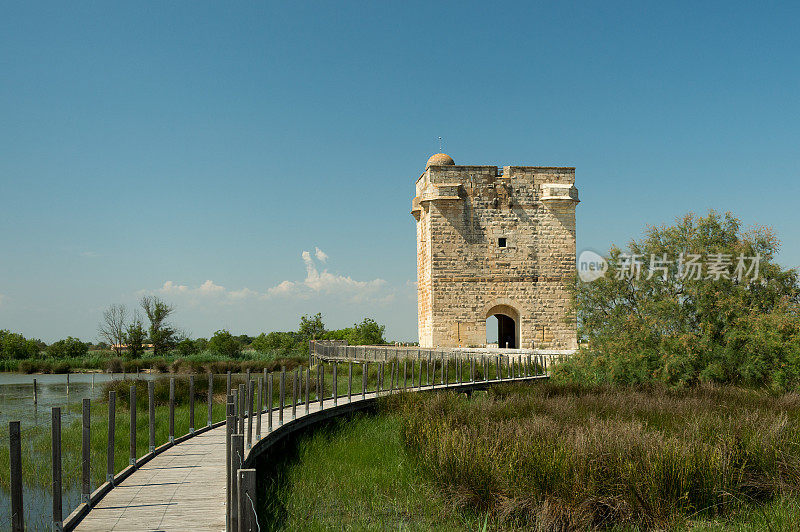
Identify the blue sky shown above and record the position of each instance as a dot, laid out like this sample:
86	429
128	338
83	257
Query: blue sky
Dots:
196	150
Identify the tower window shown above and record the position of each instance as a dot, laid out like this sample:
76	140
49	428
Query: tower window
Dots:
501	242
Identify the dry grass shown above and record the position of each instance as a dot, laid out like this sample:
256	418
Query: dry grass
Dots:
555	457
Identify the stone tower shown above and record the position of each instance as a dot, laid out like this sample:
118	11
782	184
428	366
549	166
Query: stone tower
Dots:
495	242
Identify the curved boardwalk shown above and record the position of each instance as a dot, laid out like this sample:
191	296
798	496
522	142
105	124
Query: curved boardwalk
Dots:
183	488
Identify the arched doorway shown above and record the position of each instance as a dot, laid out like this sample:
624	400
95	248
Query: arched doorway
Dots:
502	326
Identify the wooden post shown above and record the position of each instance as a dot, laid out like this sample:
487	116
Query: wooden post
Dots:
35	395
15	462
228	384
152	407
442	361
499	374
172	409
308	386
112	378
260	407
282	395
55	452
391	377
445	367
112	407
230	428
295	385
191	404
250	387
132	460
210	398
321	385
237	457
405	375
241	409
247	387
350	382
269	403
428	370
335	390
364	371
86	486
248	520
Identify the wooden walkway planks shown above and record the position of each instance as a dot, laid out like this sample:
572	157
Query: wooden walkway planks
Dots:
182	488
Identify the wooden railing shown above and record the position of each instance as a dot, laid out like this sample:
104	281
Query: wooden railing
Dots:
310	390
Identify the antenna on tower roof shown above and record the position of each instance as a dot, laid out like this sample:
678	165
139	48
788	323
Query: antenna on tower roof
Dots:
441	150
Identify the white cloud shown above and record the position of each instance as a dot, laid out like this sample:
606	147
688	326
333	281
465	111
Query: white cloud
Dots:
90	254
316	283
209	288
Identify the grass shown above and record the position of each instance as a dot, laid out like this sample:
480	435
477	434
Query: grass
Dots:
551	457
172	362
356	476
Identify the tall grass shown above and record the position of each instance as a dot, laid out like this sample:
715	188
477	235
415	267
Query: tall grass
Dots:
196	363
566	457
356	476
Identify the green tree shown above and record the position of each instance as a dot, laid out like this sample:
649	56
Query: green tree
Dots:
163	335
186	347
69	347
283	342
135	337
311	327
14	346
225	344
679	328
368	332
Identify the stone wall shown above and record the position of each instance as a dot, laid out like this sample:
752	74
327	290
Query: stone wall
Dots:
464	274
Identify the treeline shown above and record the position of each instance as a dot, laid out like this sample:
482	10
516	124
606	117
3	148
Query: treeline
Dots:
163	346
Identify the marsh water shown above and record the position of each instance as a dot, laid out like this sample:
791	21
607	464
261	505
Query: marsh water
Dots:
16	404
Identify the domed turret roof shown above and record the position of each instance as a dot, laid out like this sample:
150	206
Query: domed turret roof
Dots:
440	159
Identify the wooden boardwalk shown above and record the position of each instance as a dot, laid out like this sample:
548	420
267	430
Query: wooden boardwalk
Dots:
183	488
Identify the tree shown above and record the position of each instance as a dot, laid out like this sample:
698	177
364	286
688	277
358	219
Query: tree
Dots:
682	329
368	332
68	348
113	327
162	335
14	346
225	344
275	341
311	327
186	347
135	337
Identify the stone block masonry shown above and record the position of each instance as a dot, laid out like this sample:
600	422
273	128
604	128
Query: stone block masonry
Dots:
495	242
